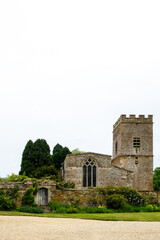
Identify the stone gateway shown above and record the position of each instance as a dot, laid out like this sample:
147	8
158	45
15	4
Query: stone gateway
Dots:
131	164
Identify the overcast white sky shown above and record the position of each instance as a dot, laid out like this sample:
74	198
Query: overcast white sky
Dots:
69	69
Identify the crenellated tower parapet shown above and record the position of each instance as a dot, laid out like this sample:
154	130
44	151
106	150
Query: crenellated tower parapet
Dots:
133	119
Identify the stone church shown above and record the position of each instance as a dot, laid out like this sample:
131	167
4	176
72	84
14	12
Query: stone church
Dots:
131	164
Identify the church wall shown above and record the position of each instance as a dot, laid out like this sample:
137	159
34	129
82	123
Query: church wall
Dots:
115	176
142	172
76	160
106	174
73	167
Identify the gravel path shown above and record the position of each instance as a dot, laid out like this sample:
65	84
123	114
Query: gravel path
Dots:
36	228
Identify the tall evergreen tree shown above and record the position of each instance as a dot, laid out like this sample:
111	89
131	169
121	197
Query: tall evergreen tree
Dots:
40	153
37	161
35	155
27	166
59	155
57	148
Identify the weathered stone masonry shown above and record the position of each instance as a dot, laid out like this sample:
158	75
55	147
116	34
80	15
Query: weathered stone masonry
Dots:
67	196
106	173
132	162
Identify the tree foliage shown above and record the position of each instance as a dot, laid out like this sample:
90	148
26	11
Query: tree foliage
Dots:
14	178
40	153
59	155
132	196
76	151
156	179
45	171
27	166
116	201
8	198
38	162
35	155
28	197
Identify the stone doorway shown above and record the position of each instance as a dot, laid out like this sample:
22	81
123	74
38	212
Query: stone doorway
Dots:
42	197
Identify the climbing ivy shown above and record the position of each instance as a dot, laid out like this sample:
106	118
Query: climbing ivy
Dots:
8	198
28	198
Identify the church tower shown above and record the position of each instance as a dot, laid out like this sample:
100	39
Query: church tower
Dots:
133	148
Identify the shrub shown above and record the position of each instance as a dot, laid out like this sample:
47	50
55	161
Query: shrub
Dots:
95	209
72	210
30	209
13	192
58	207
6	203
156	209
29	195
8	198
65	208
65	185
14	178
115	201
148	208
151	200
28	198
131	195
129	208
45	171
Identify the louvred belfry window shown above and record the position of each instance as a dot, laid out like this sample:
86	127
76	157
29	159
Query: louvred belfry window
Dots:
136	142
89	173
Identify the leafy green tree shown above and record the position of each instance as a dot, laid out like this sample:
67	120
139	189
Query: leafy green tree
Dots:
59	155
27	162
76	150
156	179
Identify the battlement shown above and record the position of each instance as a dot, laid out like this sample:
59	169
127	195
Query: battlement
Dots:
133	119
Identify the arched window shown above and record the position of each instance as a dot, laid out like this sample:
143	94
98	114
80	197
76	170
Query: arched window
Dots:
89	173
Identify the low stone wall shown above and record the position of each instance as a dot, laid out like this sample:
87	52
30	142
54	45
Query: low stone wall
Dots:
23	186
85	196
72	196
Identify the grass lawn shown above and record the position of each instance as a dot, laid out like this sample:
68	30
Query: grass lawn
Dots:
141	216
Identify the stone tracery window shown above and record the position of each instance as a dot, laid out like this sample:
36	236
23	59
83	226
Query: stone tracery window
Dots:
89	173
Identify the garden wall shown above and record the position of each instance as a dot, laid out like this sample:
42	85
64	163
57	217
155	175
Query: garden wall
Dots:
83	196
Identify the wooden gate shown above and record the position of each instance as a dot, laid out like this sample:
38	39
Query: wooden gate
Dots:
42	197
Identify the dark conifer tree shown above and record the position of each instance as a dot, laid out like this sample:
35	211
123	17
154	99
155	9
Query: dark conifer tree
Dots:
40	153
37	161
27	166
57	148
59	155
35	155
